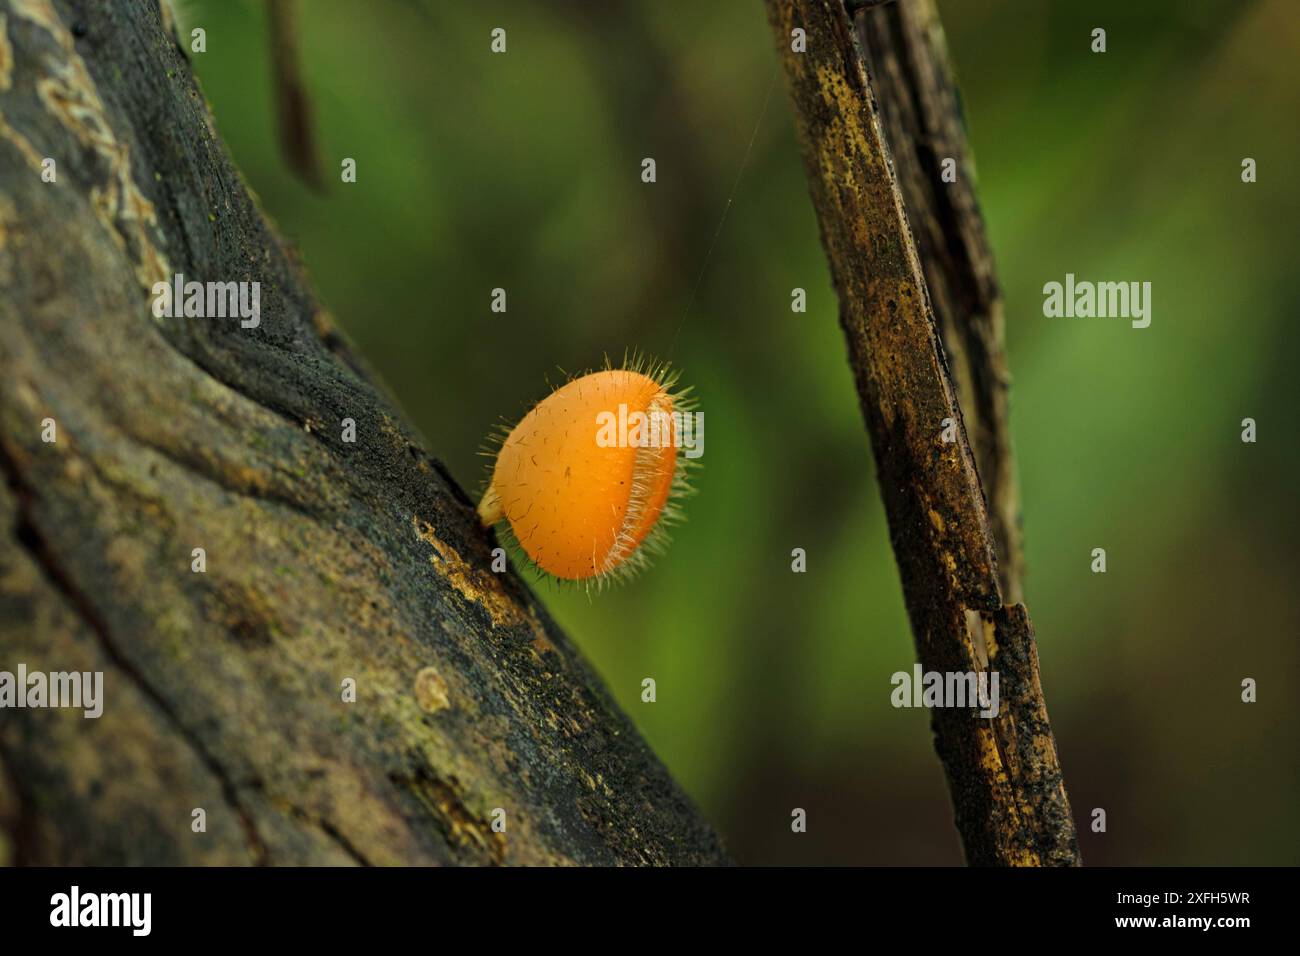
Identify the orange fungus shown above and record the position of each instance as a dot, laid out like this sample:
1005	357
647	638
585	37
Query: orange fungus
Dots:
588	475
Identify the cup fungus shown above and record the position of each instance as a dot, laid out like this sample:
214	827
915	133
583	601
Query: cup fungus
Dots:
591	475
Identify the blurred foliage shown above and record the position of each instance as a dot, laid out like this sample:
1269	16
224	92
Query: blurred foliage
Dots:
521	171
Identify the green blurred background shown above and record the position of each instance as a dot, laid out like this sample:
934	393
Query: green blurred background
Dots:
522	171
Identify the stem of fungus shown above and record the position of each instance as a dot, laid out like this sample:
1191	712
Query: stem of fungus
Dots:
489	509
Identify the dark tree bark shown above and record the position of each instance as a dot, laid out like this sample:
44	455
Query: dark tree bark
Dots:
1003	773
324	560
920	110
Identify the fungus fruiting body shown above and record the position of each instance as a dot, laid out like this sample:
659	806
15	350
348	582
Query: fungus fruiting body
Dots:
591	474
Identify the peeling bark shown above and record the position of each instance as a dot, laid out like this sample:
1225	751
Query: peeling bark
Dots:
325	560
1003	774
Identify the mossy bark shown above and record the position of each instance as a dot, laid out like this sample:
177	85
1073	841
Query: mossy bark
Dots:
325	560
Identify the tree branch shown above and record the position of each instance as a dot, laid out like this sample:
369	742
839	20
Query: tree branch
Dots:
920	110
325	559
1003	774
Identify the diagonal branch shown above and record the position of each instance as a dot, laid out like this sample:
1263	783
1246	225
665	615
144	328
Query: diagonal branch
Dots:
477	733
1003	774
920	110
